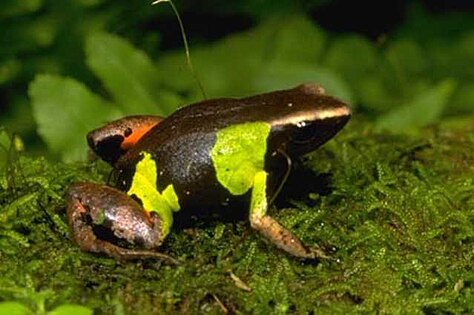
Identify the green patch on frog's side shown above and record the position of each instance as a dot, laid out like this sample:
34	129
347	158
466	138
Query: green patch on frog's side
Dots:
144	187
239	154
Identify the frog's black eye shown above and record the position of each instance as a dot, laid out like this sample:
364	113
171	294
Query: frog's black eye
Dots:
128	132
308	135
305	131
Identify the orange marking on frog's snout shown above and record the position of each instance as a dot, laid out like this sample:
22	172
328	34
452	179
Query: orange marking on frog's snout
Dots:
135	136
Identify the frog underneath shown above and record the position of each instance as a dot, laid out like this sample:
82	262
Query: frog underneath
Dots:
216	157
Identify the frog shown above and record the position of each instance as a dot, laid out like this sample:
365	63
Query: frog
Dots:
214	159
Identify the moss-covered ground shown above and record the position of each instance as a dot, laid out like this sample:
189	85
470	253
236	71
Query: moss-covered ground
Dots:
397	211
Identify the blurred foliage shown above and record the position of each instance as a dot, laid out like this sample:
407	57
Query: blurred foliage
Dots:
394	82
72	38
393	192
16	308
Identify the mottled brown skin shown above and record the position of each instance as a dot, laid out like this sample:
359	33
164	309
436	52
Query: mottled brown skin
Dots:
301	119
93	207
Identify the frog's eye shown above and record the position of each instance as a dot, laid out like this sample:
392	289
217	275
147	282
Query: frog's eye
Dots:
308	135
305	131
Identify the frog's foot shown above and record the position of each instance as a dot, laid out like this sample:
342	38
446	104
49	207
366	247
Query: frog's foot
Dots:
284	239
113	140
103	218
88	241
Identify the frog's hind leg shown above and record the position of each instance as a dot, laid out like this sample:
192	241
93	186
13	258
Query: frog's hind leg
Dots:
113	140
102	217
271	229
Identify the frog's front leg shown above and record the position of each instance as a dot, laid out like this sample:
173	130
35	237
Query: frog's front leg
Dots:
270	228
106	220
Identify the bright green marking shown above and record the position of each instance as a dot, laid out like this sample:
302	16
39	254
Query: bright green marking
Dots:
239	154
258	203
169	195
144	187
100	219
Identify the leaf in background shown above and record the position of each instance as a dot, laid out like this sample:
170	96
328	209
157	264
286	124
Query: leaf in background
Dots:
407	58
233	65
230	66
5	147
129	75
424	109
298	39
65	111
14	308
283	75
352	56
373	94
226	68
463	99
356	59
67	309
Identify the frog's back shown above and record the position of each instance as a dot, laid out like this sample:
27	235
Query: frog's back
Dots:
181	144
270	107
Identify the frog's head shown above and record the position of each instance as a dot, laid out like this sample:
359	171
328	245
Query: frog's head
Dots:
113	140
311	119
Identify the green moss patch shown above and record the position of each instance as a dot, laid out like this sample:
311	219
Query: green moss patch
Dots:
398	212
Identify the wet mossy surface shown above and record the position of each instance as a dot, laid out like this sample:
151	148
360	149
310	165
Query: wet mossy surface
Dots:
396	211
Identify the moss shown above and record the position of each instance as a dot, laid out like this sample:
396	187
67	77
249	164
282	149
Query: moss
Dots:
398	211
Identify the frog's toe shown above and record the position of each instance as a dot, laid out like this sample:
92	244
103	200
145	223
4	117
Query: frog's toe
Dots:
316	252
125	254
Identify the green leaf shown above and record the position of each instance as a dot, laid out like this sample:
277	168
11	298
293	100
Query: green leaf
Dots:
17	8
67	309
229	67
65	111
352	56
5	142
373	94
5	147
233	65
298	39
14	308
407	58
282	75
463	98
129	75
424	109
